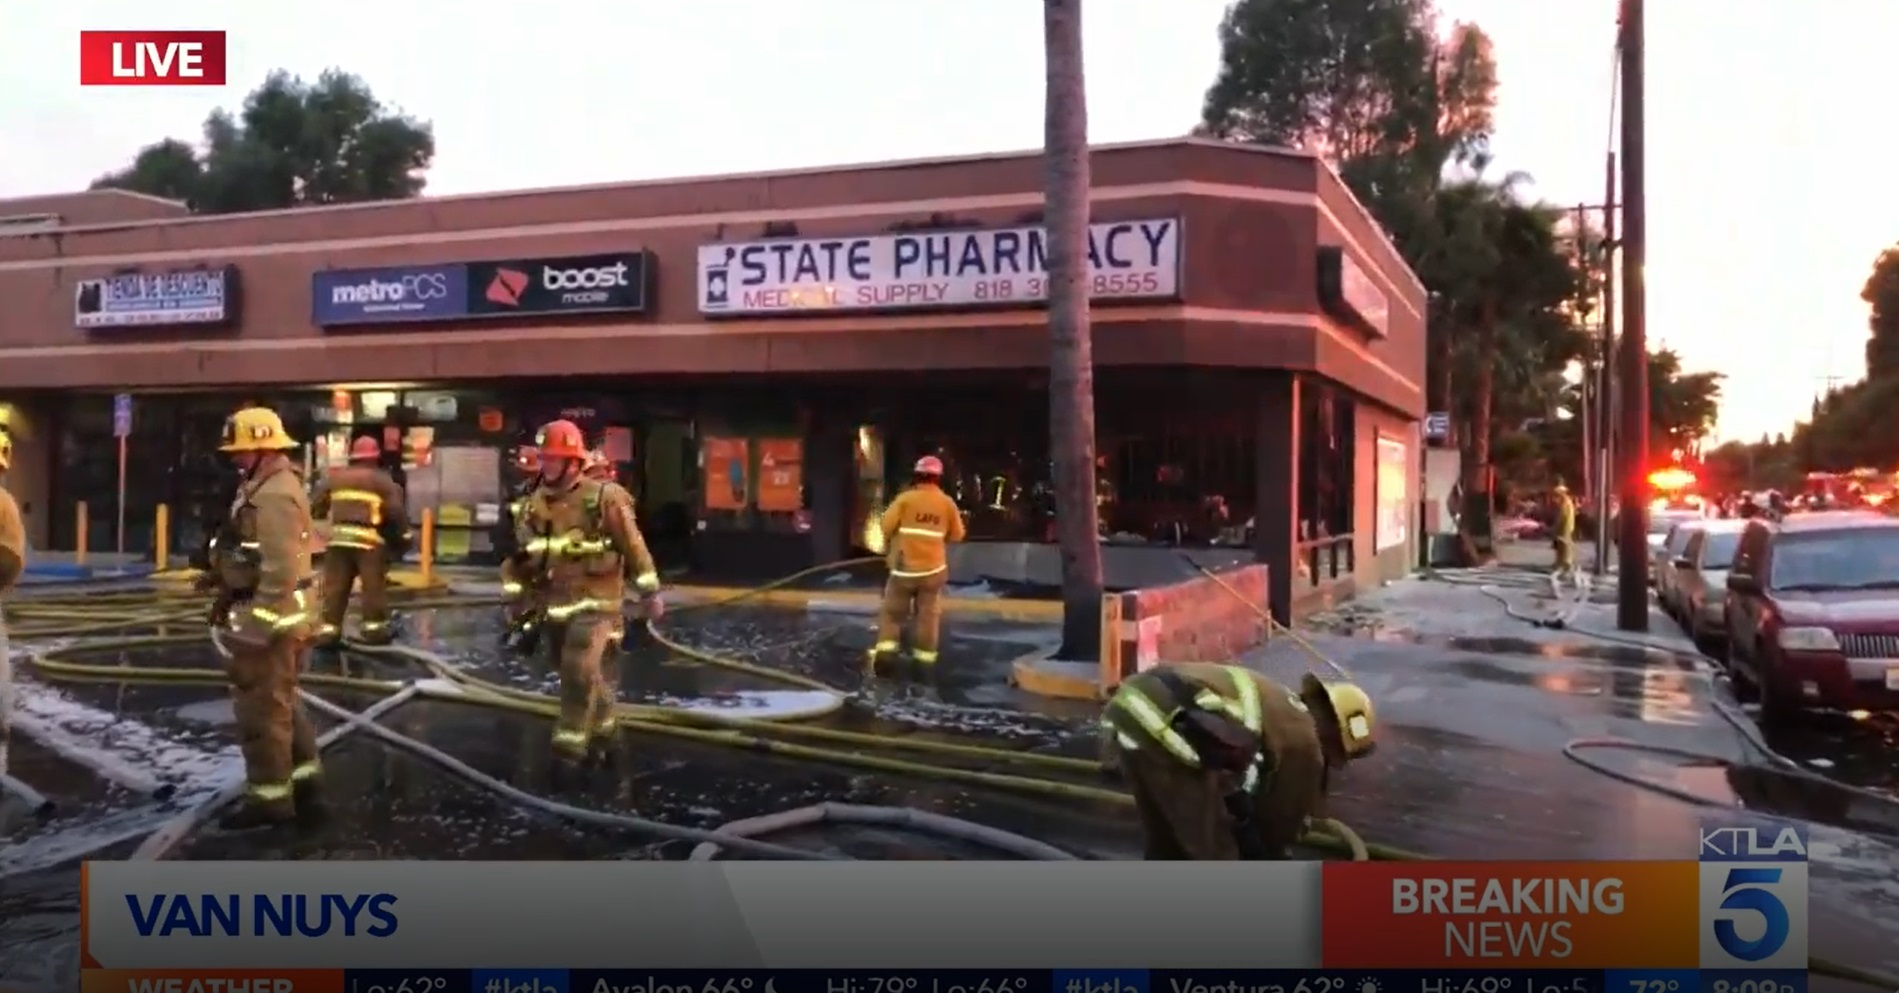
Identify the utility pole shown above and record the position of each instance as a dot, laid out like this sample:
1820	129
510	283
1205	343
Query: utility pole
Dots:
1587	388
1604	453
1632	609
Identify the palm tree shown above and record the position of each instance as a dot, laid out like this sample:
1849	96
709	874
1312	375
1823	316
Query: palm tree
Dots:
1502	275
1071	378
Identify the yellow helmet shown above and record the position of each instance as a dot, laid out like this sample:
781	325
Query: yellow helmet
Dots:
6	448
255	429
1351	710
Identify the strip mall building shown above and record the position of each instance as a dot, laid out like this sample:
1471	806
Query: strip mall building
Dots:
765	355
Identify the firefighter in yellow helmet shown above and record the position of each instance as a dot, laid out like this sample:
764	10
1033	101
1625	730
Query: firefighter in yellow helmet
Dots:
918	527
368	527
1225	763
578	546
260	568
1563	530
12	565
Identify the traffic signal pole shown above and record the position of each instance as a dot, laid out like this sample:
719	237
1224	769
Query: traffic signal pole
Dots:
1632	609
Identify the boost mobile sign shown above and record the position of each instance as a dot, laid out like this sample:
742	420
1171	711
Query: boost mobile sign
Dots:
931	269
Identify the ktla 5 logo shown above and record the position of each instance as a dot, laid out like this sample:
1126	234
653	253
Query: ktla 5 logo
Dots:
151	58
1753	897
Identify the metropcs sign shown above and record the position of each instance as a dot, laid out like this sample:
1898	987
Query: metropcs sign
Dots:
931	269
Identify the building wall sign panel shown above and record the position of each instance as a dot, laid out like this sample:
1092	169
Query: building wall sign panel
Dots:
581	284
1349	293
395	295
575	284
927	270
205	297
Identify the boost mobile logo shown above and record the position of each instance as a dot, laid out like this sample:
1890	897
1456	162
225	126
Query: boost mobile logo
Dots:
1753	896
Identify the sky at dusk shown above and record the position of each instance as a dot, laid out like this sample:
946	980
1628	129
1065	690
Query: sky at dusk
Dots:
1764	208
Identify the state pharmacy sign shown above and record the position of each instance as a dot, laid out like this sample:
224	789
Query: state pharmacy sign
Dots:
931	270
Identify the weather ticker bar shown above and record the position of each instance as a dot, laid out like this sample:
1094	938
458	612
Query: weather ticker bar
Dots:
942	981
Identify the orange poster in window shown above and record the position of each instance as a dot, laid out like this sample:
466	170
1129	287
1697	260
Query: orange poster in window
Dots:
780	474
725	462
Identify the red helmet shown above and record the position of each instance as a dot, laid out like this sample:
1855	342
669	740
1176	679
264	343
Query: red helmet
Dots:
929	465
527	459
562	440
365	449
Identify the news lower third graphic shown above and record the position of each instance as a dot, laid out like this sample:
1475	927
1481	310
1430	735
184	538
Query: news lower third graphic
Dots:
1734	922
1753	883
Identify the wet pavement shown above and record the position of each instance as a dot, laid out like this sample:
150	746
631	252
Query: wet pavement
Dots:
1477	707
1475	710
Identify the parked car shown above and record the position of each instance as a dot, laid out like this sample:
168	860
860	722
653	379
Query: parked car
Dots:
1813	613
1700	582
1662	556
1660	524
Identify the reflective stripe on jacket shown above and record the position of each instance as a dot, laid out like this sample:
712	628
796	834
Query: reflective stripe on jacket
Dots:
918	527
1153	717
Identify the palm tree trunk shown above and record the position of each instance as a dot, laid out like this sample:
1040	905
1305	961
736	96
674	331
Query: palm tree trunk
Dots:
1479	501
1071	376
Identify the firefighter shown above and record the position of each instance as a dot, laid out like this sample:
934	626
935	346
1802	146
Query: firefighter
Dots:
261	619
12	565
1225	763
1564	538
368	527
12	529
579	544
918	527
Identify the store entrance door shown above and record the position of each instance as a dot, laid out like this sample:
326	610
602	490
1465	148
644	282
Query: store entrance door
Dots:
668	490
203	484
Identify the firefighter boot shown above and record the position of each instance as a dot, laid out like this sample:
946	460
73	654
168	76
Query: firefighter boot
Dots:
252	815
307	794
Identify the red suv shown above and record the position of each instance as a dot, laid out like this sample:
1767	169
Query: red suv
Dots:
1813	613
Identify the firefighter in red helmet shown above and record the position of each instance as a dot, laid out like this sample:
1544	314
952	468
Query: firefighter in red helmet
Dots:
578	546
917	527
368	527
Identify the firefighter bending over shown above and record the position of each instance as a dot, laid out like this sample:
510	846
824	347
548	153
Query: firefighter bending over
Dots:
260	568
369	526
578	546
1225	763
918	527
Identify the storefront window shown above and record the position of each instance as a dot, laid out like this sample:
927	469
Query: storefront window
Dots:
995	461
1186	478
871	494
1326	455
750	460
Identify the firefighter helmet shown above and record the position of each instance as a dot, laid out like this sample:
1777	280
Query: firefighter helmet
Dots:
527	459
1350	709
561	440
255	429
929	465
365	449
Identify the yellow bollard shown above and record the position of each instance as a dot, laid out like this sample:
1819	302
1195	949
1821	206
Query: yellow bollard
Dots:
79	533
161	538
428	546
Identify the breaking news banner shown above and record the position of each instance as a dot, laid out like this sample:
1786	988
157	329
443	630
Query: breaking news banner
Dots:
764	927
